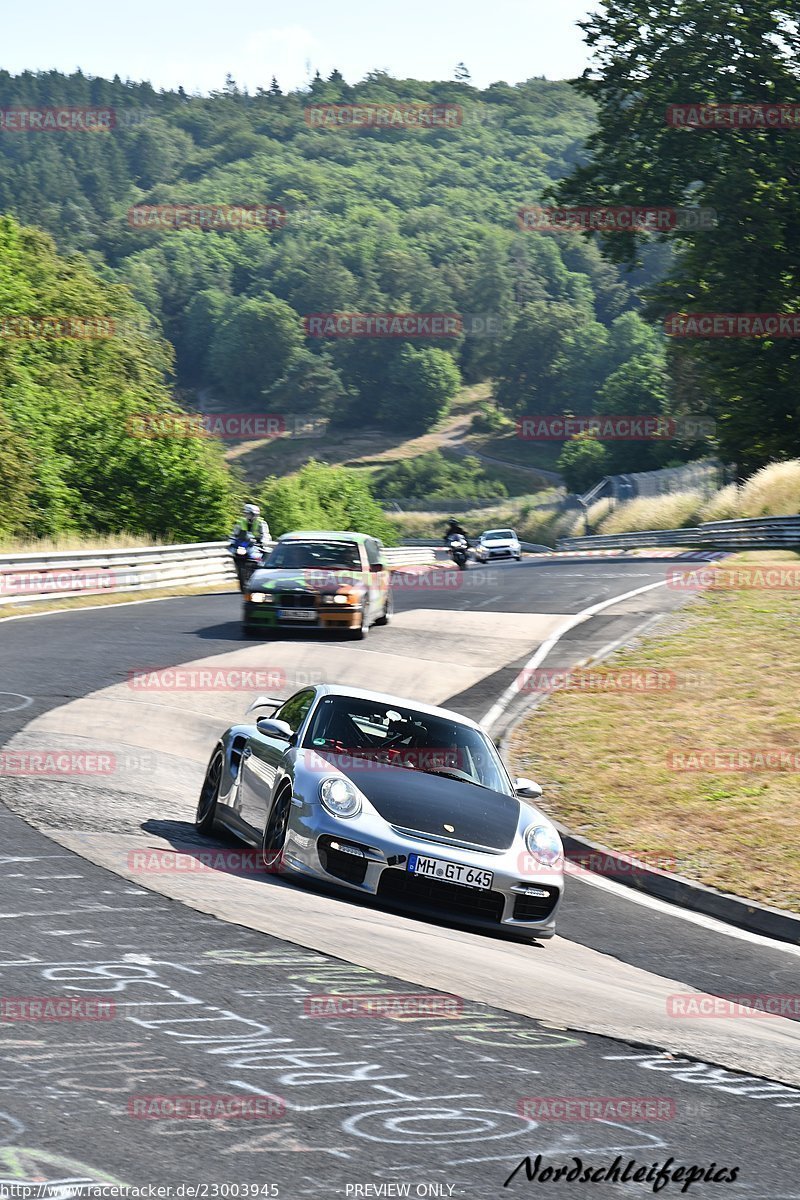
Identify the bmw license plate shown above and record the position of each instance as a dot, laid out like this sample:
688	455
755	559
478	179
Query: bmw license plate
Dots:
448	872
297	614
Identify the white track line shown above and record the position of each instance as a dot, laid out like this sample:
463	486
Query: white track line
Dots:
114	604
713	924
513	690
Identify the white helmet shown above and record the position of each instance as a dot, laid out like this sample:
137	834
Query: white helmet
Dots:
251	511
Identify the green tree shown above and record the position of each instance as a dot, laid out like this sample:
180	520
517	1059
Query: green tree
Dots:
648	56
323	497
583	461
252	346
84	444
422	384
16	478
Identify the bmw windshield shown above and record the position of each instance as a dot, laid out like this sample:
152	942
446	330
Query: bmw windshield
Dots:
312	555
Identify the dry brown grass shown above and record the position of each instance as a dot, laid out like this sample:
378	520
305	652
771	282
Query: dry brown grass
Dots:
76	541
654	512
772	491
604	757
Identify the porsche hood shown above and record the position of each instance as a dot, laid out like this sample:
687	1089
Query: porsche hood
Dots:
437	806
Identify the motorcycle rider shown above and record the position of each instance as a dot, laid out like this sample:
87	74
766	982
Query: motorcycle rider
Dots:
254	530
254	524
454	528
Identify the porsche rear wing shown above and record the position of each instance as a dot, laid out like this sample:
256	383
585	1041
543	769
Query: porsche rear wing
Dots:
273	702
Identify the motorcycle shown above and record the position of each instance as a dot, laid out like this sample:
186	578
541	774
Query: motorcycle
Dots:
247	556
459	550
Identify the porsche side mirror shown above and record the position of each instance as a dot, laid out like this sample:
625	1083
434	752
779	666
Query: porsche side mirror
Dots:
274	728
527	789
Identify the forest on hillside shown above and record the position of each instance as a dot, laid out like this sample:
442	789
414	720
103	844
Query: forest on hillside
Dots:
377	220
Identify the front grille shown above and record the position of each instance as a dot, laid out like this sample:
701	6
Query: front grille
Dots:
401	887
296	599
350	868
535	908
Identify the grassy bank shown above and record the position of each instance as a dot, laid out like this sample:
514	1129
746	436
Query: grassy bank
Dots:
773	491
617	765
519	512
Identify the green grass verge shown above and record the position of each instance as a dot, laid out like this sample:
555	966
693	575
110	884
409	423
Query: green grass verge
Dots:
609	759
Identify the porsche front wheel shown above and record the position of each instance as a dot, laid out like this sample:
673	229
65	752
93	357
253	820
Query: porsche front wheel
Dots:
275	833
206	816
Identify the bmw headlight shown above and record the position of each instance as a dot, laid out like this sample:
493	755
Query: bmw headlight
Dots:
544	844
259	598
340	797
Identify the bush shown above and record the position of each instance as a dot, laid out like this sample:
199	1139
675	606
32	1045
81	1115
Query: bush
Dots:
433	477
489	419
323	497
583	462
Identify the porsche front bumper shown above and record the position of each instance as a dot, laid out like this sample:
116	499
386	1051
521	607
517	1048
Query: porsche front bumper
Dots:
362	858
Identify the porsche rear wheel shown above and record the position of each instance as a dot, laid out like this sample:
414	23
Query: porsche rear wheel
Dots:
275	833
206	817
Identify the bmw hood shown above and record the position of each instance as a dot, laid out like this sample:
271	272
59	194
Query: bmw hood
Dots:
428	804
267	579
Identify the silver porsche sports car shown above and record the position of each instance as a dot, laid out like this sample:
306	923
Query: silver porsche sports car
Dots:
391	799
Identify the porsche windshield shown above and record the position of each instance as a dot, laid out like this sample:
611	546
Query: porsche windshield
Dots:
357	729
325	556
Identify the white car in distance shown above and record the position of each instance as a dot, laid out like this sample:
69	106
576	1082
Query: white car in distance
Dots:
498	543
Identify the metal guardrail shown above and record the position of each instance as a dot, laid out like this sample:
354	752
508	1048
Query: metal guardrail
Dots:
28	578
765	533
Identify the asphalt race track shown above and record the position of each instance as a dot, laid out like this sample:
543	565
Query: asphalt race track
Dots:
214	996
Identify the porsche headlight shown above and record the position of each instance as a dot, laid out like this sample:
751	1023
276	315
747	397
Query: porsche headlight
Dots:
544	844
340	797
